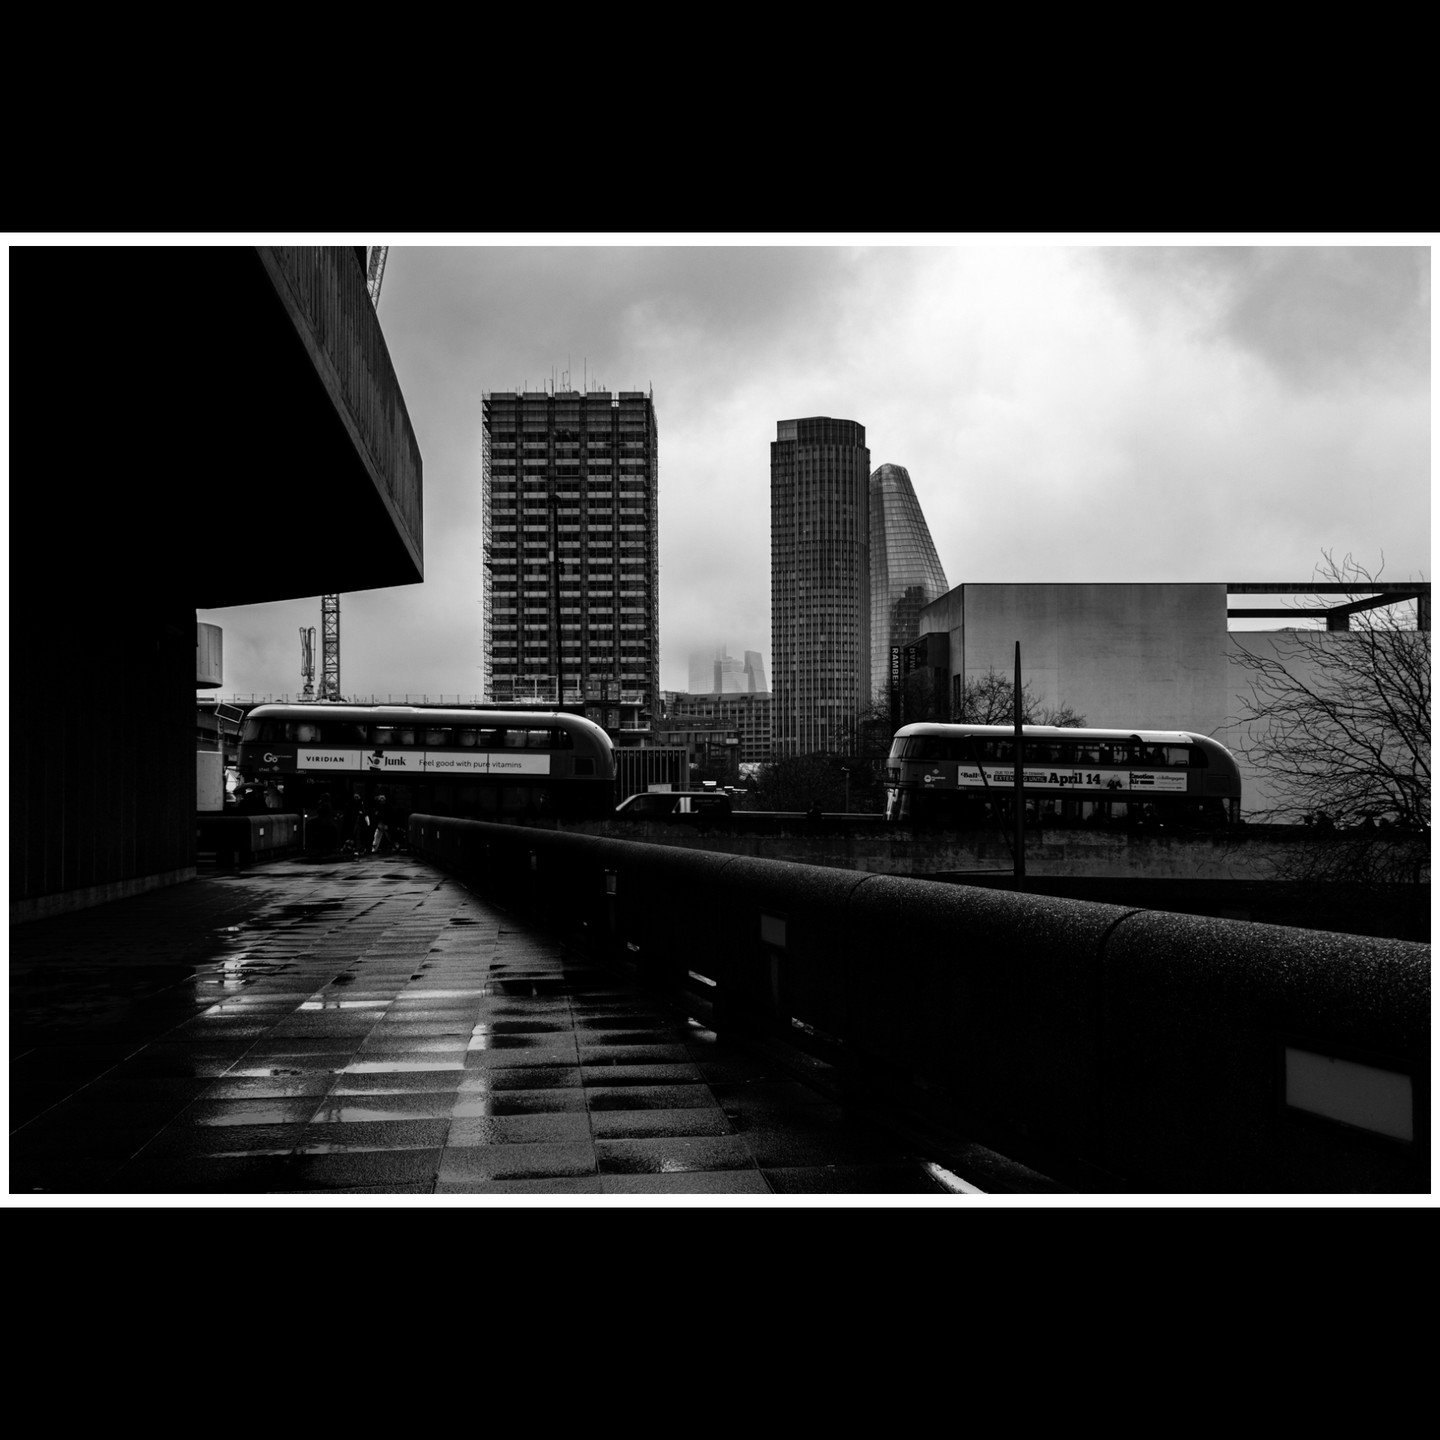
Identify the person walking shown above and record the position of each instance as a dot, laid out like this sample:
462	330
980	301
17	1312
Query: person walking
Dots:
381	843
358	842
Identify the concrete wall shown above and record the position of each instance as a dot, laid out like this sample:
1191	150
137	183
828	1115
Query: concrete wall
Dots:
102	777
1111	1049
1261	794
1144	656
203	426
1152	656
887	850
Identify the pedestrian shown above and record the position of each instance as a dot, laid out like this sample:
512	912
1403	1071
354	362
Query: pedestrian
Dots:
359	841
381	843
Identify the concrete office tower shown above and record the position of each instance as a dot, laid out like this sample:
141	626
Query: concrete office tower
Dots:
819	584
570	594
905	571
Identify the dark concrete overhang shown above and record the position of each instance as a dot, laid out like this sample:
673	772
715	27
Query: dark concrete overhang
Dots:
322	467
219	425
1372	596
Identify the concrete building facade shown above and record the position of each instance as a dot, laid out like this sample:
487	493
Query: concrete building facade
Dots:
1119	654
239	437
819	584
744	716
570	586
1157	656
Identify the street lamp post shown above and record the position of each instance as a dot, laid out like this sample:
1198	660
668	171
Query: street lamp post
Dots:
1019	781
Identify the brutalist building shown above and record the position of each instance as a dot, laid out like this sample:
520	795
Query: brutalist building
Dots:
570	592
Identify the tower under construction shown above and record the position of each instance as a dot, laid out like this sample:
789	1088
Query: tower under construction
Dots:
570	598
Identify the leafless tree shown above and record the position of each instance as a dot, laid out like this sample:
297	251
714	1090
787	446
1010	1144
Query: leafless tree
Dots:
1338	725
990	700
1339	721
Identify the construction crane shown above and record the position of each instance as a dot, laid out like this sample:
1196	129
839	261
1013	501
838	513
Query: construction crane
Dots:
330	647
330	604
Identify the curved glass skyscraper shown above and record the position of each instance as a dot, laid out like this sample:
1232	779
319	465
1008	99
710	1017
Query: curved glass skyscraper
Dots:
905	571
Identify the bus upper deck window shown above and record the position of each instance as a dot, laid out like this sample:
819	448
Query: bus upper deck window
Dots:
1177	754
466	737
488	739
928	747
514	739
384	735
1087	755
537	740
437	736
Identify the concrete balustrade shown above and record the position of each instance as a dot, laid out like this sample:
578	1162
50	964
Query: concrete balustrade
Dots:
1115	1049
240	839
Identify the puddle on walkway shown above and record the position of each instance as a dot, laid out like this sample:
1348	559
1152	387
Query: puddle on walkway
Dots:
392	1067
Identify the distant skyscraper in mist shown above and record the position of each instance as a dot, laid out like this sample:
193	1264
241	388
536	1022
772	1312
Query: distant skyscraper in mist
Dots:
905	572
819	583
720	673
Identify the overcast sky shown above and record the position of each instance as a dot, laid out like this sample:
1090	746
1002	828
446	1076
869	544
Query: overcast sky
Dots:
1071	411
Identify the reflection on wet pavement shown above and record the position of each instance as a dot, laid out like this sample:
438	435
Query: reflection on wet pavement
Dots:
301	1028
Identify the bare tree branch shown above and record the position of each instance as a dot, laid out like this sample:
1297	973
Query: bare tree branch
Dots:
1340	721
990	700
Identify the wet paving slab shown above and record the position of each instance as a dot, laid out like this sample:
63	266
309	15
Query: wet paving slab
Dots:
372	1029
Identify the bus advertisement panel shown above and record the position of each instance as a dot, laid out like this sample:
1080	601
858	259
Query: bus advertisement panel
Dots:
408	762
941	774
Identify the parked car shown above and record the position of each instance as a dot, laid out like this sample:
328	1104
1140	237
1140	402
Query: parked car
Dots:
675	805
